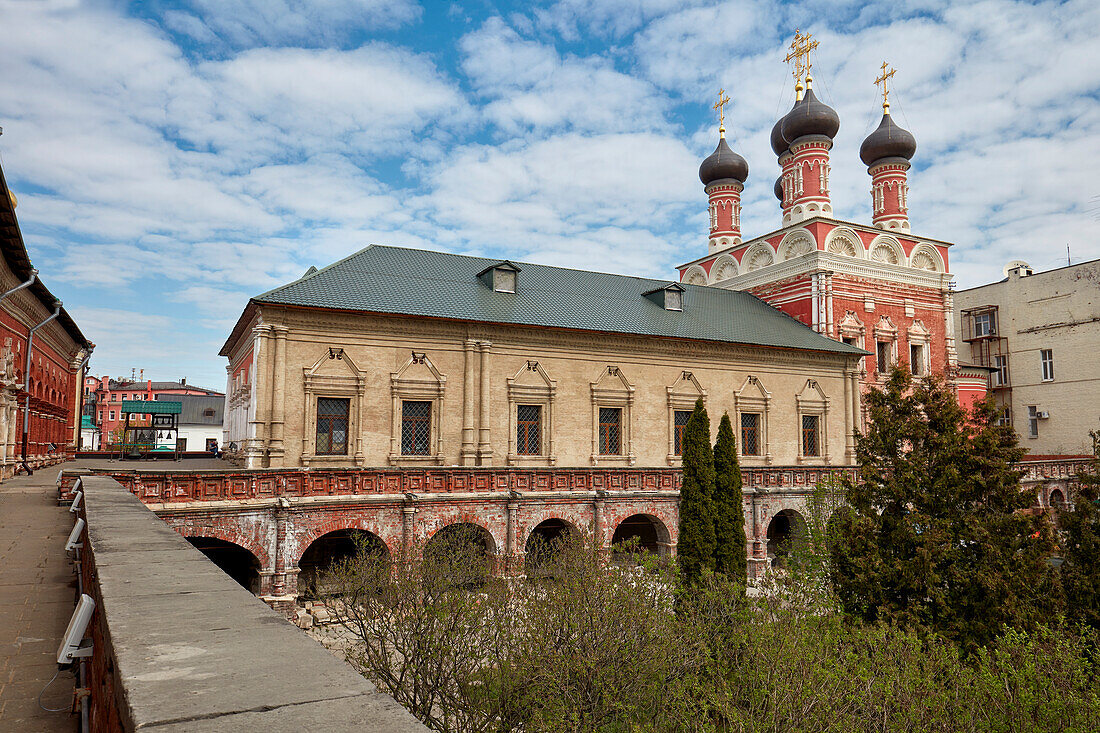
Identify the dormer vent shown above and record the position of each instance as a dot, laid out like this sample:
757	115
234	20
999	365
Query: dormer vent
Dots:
670	297
501	277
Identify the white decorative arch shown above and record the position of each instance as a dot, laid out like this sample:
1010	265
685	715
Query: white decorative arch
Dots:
796	244
887	249
723	268
844	241
926	257
758	255
695	275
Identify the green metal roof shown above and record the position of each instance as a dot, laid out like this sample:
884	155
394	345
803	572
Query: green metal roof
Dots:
381	279
151	407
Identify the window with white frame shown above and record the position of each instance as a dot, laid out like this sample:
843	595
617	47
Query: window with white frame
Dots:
1046	361
612	400
985	324
681	397
1032	421
882	356
813	412
1000	376
753	406
916	359
531	416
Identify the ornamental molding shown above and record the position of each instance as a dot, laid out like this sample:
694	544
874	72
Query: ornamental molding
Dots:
856	267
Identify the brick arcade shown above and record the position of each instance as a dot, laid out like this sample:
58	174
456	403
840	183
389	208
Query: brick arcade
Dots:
269	519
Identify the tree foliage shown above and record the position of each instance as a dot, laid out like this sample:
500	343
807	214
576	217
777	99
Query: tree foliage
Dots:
695	546
594	647
937	535
729	516
1080	525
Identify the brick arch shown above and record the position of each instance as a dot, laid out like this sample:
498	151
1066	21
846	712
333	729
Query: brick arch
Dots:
665	513
579	517
228	534
431	520
317	530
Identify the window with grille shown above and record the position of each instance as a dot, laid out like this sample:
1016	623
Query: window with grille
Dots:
332	426
679	424
1046	358
883	356
810	435
750	433
416	428
611	428
528	430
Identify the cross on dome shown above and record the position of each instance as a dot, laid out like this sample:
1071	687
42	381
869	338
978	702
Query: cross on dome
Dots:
801	47
885	91
720	105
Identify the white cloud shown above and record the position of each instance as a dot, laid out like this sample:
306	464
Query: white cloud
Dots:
530	85
289	22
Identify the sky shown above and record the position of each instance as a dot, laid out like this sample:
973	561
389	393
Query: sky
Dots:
173	159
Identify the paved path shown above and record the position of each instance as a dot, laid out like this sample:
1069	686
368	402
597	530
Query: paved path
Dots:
37	597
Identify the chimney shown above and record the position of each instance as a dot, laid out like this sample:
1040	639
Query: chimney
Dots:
183	381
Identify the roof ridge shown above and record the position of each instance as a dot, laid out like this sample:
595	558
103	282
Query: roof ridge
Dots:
498	259
316	271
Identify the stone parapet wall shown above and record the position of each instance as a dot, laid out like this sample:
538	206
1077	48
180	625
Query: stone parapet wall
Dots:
179	646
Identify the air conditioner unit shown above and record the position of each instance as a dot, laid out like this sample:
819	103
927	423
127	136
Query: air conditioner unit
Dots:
1042	415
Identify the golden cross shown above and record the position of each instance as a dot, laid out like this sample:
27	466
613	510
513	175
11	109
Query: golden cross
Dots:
723	100
882	80
801	47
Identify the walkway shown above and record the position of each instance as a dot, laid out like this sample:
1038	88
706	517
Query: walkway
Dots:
37	597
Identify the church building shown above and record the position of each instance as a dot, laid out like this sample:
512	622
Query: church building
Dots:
873	285
513	393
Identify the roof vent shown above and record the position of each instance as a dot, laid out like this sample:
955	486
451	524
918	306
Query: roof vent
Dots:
670	297
501	277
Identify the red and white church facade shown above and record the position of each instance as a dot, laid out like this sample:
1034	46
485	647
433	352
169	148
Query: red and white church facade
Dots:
877	286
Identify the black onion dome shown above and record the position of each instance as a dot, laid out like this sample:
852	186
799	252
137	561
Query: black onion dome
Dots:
723	163
779	143
810	117
888	141
778	189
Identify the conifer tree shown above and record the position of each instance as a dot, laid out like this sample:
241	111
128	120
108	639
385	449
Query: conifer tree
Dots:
729	517
934	536
1080	571
695	546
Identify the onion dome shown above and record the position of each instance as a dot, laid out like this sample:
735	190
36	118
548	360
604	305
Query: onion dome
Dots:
810	117
778	189
723	163
887	141
779	143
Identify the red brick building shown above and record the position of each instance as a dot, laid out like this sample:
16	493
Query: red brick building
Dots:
42	357
877	286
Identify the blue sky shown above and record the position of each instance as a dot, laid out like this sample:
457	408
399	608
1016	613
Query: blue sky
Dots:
172	159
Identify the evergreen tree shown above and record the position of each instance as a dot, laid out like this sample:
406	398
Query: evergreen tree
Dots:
1080	569
729	517
695	547
935	535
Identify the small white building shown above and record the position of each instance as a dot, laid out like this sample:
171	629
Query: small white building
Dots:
200	423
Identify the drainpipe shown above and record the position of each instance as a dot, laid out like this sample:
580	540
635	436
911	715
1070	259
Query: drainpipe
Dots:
17	288
27	383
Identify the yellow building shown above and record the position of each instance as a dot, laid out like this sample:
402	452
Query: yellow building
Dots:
402	357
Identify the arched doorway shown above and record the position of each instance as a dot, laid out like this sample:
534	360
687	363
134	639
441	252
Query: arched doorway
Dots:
786	530
234	560
639	533
1057	499
545	544
331	549
460	554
